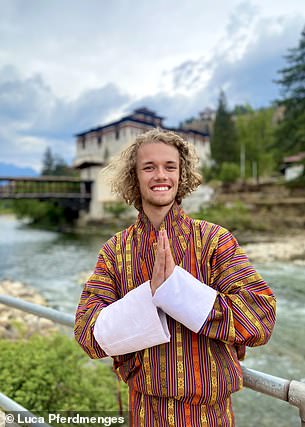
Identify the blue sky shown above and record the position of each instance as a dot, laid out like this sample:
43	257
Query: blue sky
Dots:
68	66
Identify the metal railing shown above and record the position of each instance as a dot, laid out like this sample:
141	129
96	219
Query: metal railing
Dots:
290	391
10	405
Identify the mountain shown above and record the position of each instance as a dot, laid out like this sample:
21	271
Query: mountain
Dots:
8	169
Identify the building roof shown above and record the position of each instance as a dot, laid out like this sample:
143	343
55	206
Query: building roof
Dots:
116	123
147	112
296	158
134	119
185	130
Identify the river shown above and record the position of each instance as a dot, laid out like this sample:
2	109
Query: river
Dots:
55	265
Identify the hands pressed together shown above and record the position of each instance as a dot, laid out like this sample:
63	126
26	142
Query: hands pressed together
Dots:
164	262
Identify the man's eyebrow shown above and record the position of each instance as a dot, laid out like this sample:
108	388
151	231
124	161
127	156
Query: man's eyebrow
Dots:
150	162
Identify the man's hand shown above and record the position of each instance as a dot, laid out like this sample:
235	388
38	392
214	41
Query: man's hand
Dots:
169	260
158	274
164	262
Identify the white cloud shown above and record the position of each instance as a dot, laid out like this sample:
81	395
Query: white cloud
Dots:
32	117
69	66
245	66
79	45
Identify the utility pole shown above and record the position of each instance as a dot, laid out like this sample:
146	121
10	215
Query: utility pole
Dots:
242	162
254	171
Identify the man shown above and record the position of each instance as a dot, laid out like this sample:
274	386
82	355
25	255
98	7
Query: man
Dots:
173	300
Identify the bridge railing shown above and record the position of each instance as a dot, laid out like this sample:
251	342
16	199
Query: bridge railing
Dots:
290	391
44	187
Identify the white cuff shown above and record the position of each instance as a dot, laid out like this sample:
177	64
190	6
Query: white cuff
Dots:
131	323
185	299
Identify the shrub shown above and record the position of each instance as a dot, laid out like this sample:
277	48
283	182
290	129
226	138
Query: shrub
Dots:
53	374
115	208
209	173
45	214
229	172
6	207
235	217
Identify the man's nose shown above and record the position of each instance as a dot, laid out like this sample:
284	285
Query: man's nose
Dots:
161	173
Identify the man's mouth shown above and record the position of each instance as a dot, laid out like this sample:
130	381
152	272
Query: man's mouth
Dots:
161	188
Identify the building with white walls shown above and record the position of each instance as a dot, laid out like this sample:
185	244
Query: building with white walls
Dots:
96	146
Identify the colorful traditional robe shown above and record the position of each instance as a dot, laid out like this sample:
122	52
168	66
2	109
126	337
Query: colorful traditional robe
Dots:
189	380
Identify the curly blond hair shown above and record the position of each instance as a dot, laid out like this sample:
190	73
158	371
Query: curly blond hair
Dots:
124	181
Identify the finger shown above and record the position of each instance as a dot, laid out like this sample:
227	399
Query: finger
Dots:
169	260
158	274
161	238
167	246
159	247
166	241
160	256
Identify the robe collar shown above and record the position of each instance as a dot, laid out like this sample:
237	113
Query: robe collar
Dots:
178	227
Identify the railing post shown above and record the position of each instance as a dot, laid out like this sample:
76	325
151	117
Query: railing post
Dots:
296	397
82	188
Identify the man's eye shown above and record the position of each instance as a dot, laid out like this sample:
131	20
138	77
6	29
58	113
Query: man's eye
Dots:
171	168
148	168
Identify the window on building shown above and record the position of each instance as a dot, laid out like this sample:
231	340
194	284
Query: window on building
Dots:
106	154
117	133
83	142
99	141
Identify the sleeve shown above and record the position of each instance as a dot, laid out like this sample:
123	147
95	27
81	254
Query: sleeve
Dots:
185	299
99	291
244	308
106	325
131	324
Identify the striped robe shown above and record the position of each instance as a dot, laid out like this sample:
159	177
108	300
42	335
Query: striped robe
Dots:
188	381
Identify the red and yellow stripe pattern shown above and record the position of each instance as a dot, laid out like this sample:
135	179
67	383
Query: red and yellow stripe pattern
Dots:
194	369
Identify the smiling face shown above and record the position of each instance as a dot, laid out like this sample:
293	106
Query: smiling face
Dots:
158	174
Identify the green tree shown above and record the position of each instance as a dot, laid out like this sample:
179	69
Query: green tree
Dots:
48	162
242	109
255	132
55	165
61	168
224	145
290	133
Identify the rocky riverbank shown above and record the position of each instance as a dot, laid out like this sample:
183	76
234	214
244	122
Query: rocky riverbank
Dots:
280	248
15	324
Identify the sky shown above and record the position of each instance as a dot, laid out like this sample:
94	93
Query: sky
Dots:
67	66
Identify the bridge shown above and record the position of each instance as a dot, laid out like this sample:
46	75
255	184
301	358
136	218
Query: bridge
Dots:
74	192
